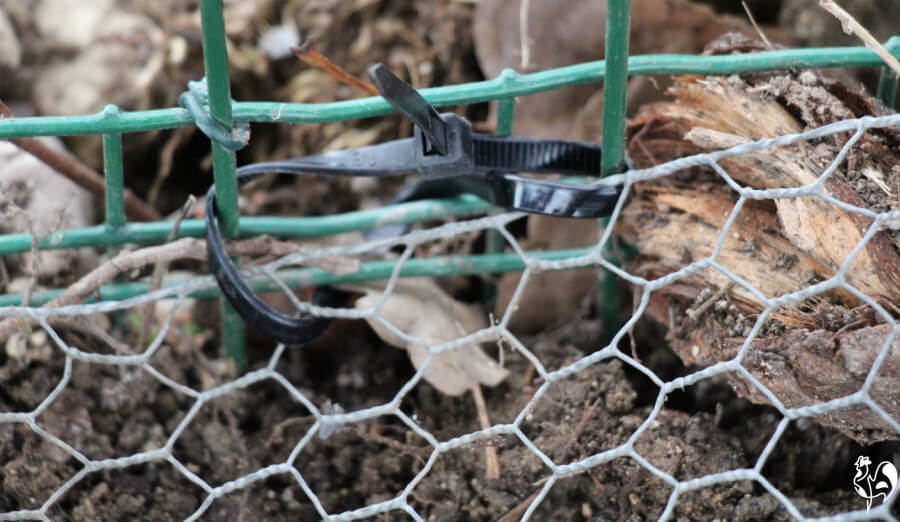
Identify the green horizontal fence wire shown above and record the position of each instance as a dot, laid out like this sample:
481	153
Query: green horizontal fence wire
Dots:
428	267
506	86
285	227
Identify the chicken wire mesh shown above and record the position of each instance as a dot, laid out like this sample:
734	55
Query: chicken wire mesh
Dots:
329	419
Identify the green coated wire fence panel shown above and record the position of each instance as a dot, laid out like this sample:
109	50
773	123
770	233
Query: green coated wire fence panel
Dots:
229	117
112	123
508	84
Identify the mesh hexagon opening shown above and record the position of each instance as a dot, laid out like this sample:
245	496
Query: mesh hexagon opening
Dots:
689	446
362	463
586	413
242	431
606	305
96	333
738	500
544	298
348	366
32	367
718	417
823	464
192	360
457	486
805	362
149	491
446	417
31	468
108	411
619	489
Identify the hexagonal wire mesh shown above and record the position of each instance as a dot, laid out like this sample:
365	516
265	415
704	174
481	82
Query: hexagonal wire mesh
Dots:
329	421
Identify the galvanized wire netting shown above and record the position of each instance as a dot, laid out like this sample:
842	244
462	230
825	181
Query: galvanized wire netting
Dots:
326	419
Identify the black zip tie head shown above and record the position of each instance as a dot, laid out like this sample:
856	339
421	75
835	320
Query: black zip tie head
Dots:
408	101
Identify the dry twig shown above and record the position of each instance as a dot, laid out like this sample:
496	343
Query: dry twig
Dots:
756	26
84	176
34	263
492	463
523	35
851	26
159	271
186	248
166	155
312	56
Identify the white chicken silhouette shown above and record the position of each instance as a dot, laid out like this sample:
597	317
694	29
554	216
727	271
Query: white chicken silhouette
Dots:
878	484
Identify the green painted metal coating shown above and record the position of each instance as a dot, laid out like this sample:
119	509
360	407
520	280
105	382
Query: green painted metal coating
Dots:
112	123
618	25
233	330
494	242
98	123
115	186
887	86
506	111
215	57
224	165
284	227
508	84
305	277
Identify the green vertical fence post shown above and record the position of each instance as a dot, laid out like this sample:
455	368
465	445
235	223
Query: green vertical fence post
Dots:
887	87
614	86
114	189
115	185
494	242
215	58
506	110
615	83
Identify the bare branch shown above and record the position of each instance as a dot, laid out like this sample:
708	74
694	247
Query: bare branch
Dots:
312	56
185	248
523	35
159	271
492	463
73	169
851	26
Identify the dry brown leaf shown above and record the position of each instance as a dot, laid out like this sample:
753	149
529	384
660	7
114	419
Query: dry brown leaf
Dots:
420	309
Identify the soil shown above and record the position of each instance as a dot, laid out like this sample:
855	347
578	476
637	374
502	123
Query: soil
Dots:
105	412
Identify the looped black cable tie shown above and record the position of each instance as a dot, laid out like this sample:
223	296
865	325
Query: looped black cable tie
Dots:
451	158
196	101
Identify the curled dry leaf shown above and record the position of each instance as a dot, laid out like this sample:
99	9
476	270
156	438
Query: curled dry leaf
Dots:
420	309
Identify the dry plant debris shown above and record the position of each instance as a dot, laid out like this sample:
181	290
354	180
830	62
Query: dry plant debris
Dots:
809	353
421	309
